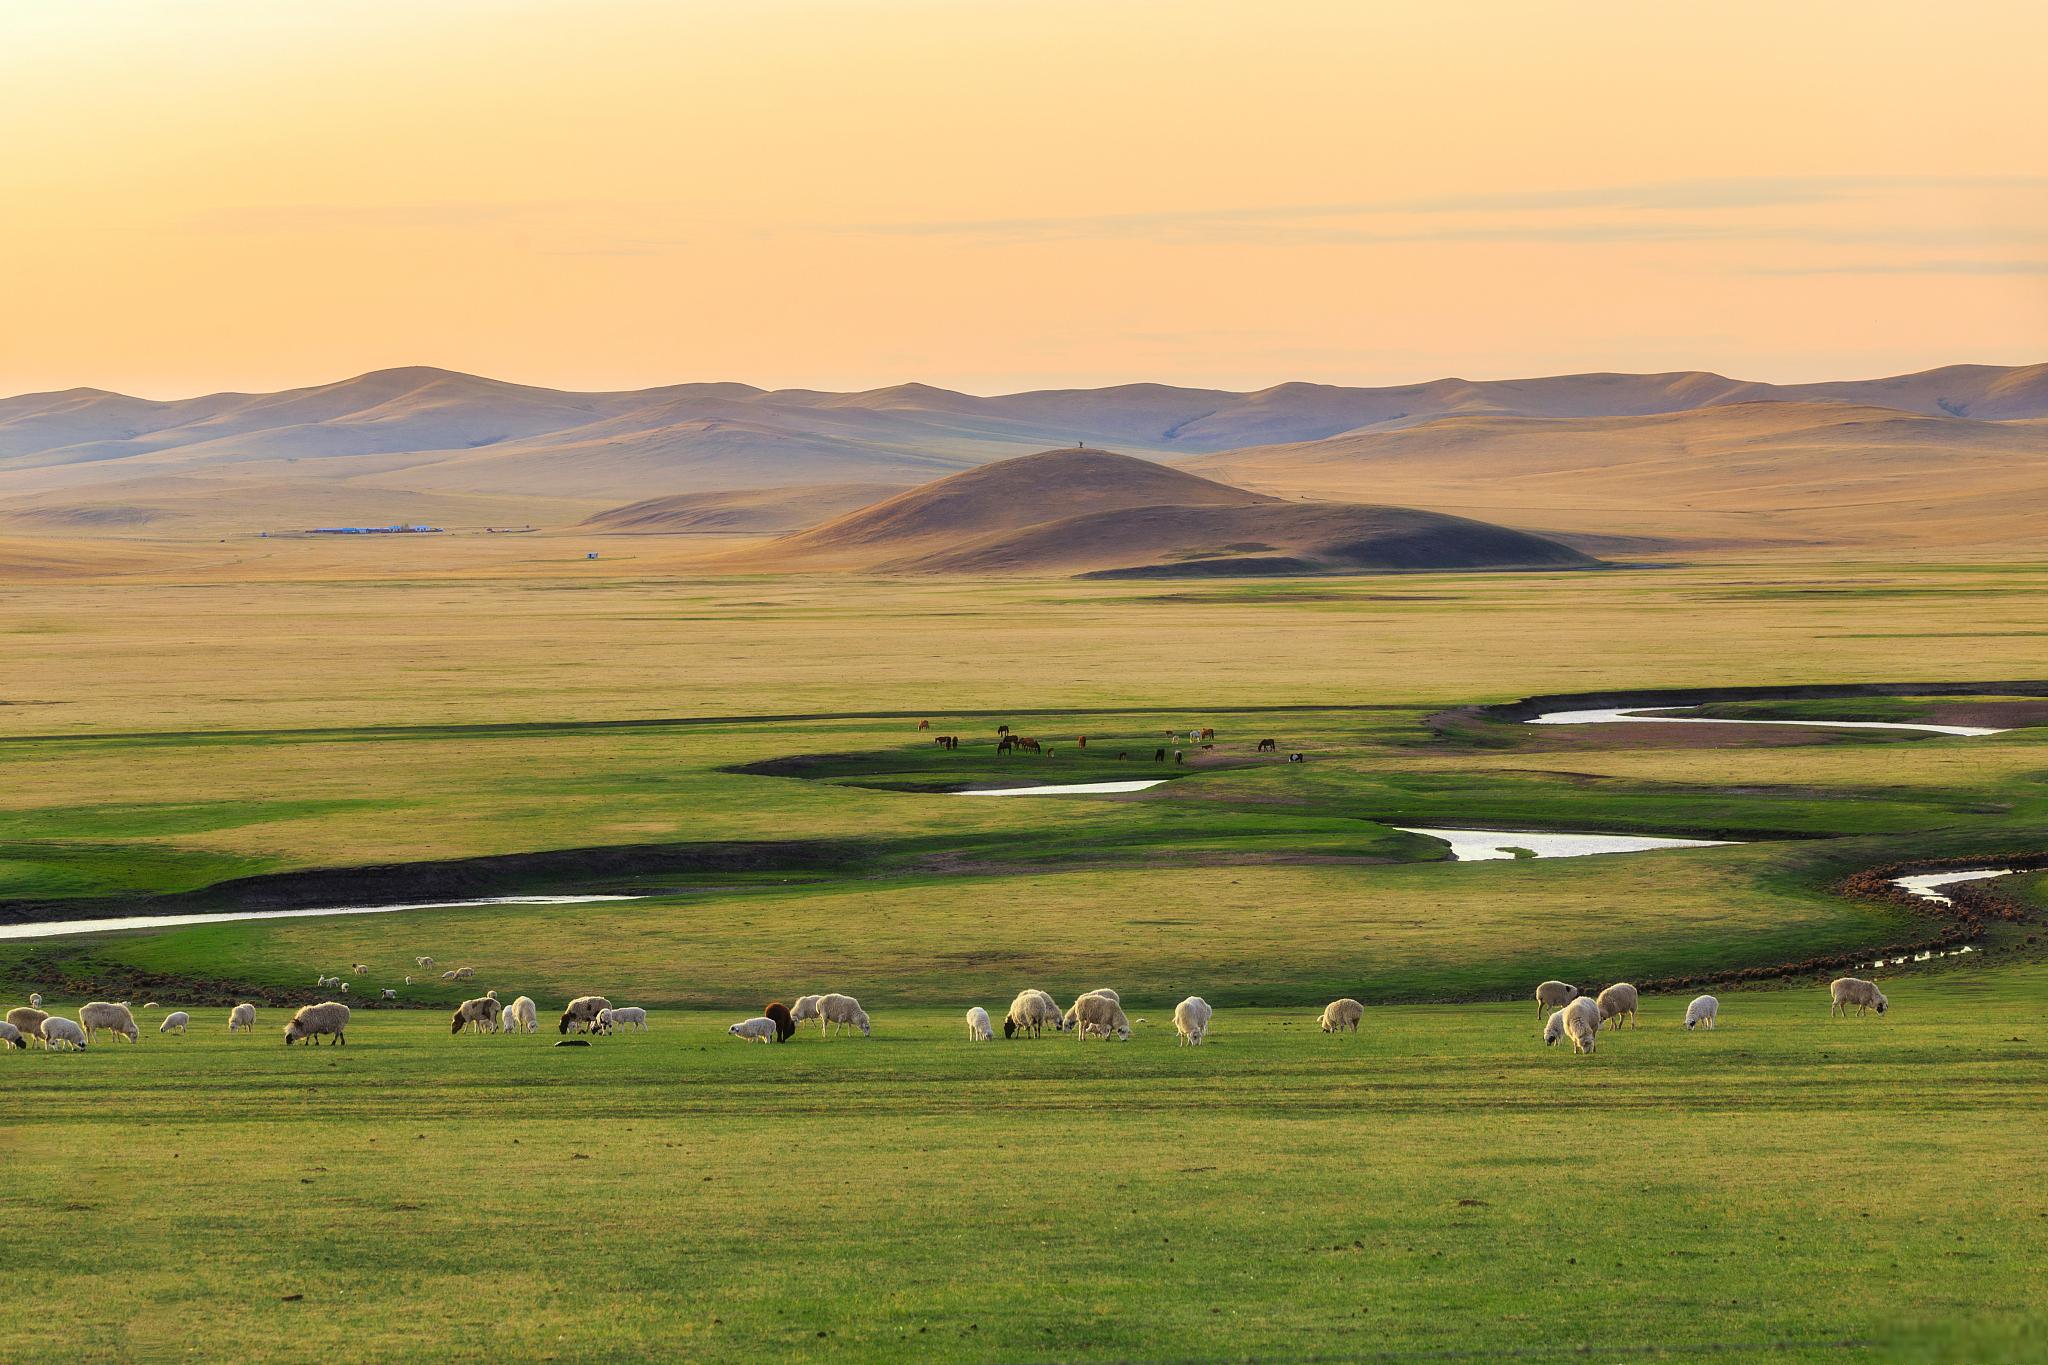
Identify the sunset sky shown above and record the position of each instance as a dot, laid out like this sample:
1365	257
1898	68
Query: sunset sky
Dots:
845	193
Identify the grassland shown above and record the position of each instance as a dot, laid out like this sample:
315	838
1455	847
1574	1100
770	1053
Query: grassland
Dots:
746	755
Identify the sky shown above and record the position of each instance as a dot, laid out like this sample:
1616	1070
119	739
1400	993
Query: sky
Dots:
241	194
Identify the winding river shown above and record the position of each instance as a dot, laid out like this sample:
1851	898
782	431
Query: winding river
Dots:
103	926
1655	715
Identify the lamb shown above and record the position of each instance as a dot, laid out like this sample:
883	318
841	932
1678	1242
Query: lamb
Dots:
61	1035
1842	992
844	1010
480	1014
1555	995
323	982
807	1008
360	968
311	1021
979	1030
1099	1012
633	1017
242	1016
582	1013
10	1036
1032	1011
101	1015
174	1022
1343	1014
1702	1012
28	1021
758	1030
390	994
1579	1021
785	1023
1617	1001
603	1022
423	961
35	999
1191	1020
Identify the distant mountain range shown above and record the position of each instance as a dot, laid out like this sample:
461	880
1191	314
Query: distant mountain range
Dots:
422	443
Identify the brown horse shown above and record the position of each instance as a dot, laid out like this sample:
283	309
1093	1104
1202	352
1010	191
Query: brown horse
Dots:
1267	746
924	725
1208	732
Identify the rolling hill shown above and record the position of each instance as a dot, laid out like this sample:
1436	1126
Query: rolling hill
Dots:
1747	475
1096	513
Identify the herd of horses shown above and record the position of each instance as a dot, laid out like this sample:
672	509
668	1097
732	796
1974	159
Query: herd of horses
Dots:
1007	742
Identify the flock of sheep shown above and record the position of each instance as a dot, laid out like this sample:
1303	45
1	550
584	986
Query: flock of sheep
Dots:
1575	1016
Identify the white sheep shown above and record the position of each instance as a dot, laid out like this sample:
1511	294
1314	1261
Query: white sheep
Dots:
844	1010
61	1035
1702	1013
423	962
630	1016
806	1007
10	1036
311	1021
1031	1012
1616	1003
174	1022
242	1017
1073	1014
1579	1021
1340	1015
360	968
448	975
28	1021
1191	1020
464	973
35	999
979	1030
1555	995
581	1013
520	1016
1854	990
390	994
103	1015
324	982
1099	1012
760	1029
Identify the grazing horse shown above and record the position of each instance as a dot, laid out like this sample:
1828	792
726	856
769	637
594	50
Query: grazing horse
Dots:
1179	757
1159	755
924	725
1006	743
1048	751
1207	747
1002	729
1294	758
947	741
1080	741
1267	746
1028	745
1208	732
1122	754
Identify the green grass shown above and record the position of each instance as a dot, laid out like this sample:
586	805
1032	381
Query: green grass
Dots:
1787	1187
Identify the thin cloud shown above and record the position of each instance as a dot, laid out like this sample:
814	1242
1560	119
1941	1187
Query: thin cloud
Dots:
2023	267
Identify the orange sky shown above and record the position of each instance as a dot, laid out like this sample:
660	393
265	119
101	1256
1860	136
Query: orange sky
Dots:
845	193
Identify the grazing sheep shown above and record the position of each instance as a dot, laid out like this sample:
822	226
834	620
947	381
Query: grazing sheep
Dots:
1099	1012
323	982
520	1016
844	1010
1842	992
330	1017
61	1035
1343	1014
1191	1020
242	1016
635	1018
760	1030
785	1023
603	1022
1555	995
1031	1012
35	999
390	994
480	1014
979	1030
11	1036
582	1013
448	975
464	973
806	1007
152	1005
360	968
423	962
101	1015
1702	1012
1579	1021
1073	1014
1616	1002
174	1022
28	1021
